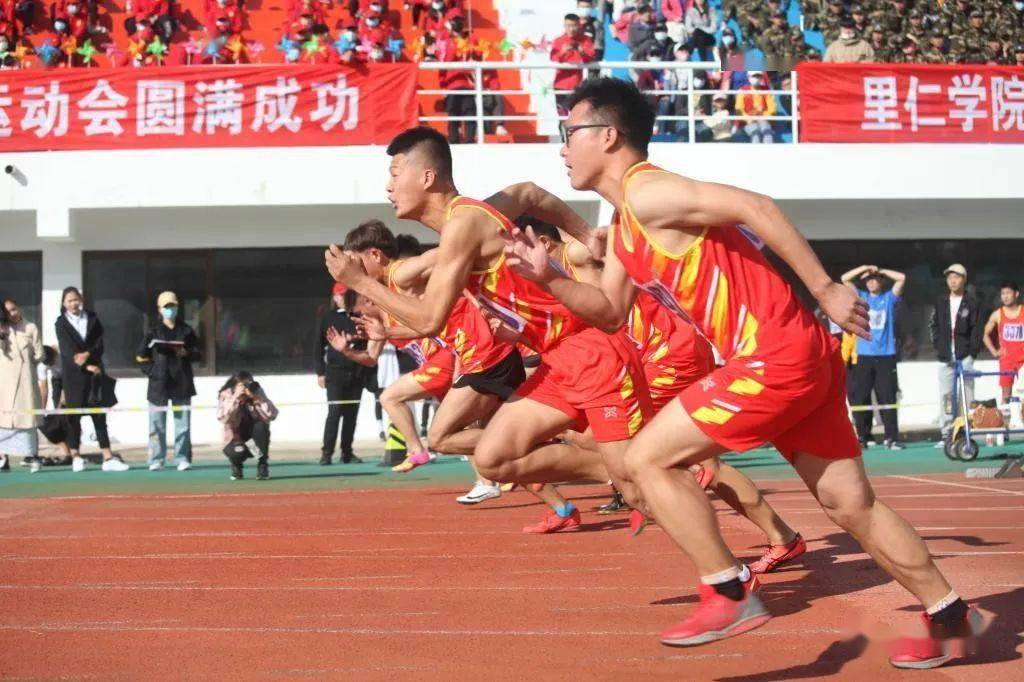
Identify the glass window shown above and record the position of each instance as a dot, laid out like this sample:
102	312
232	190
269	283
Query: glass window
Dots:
21	278
267	303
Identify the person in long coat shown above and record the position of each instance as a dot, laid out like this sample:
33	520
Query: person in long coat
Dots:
20	350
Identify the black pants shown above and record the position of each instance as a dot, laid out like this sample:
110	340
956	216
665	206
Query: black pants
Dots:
341	386
878	373
261	436
461	105
99	422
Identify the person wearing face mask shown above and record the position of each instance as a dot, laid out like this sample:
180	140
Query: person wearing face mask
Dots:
7	61
752	105
641	32
702	24
373	28
591	14
232	10
165	355
850	48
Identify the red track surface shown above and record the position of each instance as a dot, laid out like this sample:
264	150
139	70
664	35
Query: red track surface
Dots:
404	584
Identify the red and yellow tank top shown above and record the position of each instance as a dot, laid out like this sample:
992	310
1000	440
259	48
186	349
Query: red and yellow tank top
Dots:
422	349
519	303
1011	334
722	284
469	336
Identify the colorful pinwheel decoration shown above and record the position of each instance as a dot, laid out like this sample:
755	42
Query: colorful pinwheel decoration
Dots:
396	45
135	48
87	52
69	47
157	49
192	48
343	43
254	48
236	47
544	45
313	47
47	53
505	47
113	52
483	48
290	49
527	45
212	49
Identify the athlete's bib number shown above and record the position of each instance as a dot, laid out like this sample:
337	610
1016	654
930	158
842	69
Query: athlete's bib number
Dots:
877	318
1013	332
507	317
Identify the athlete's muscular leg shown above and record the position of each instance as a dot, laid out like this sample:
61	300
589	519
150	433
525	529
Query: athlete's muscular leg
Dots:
740	493
844	492
450	432
657	461
395	400
516	447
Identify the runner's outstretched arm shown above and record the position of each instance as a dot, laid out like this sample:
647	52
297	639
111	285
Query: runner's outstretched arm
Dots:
527	198
667	201
458	249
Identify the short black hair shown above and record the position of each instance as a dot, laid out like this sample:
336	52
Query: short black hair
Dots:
1010	285
571	16
408	246
621	105
540	228
431	142
372	234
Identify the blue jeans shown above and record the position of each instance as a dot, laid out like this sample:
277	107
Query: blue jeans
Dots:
182	435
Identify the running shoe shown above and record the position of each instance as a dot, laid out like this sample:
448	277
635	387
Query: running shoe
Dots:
616	506
236	471
932	649
156	466
481	492
703	475
717	617
34	464
553	523
115	463
5	464
184	465
412	461
351	458
78	464
637	522
262	469
776	555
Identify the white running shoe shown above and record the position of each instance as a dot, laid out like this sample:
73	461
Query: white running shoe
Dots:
156	466
481	492
35	465
115	464
184	465
78	464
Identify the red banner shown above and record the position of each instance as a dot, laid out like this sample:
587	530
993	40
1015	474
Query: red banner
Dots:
911	103
205	106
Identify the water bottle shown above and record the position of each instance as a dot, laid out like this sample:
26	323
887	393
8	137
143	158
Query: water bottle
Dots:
1016	418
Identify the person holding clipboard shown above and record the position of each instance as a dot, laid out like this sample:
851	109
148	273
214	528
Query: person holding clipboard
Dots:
165	356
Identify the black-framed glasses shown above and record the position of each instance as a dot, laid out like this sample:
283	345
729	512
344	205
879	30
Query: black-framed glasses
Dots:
567	131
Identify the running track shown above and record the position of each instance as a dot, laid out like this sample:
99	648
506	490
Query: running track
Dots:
404	584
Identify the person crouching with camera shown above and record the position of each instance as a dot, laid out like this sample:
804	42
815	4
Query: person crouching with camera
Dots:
246	412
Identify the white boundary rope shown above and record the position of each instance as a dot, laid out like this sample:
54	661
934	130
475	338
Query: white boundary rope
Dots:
161	408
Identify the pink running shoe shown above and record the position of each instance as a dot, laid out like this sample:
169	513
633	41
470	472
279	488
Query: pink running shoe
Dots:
931	651
718	617
412	461
776	555
553	523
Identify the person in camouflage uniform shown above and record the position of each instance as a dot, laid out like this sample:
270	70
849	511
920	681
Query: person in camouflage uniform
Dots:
935	53
894	17
915	26
774	41
860	19
828	21
1018	55
879	43
956	15
796	47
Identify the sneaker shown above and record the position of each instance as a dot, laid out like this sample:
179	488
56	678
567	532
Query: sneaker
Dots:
616	506
78	464
776	555
157	465
184	465
350	458
236	471
717	617
262	469
480	492
34	464
325	460
5	463
637	522
416	459
893	445
115	463
929	651
703	476
553	523
940	445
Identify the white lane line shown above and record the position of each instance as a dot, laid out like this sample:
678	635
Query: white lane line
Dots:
289	557
963	485
348	588
368	614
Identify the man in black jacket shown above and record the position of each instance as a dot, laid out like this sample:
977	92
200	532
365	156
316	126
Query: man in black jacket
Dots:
956	327
166	355
343	377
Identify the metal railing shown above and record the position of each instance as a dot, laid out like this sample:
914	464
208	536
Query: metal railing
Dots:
692	117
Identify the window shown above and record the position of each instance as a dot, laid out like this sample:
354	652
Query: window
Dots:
989	263
260	304
21	278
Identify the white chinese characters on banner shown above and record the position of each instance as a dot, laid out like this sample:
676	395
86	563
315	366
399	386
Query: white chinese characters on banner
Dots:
881	104
1007	104
46	110
917	88
967	93
219	105
160	108
5	119
104	109
275	106
335	102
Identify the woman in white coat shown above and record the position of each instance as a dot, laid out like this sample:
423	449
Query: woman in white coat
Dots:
21	349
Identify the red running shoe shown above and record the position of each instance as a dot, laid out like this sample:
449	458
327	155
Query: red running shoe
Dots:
703	476
553	523
637	522
929	651
776	555
718	617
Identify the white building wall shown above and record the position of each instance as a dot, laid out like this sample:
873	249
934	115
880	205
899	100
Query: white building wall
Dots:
214	198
